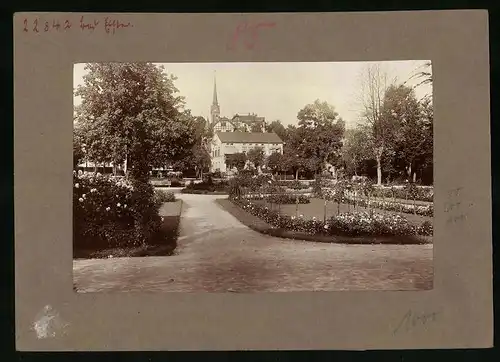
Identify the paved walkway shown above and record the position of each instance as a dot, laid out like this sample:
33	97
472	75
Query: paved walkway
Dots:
216	253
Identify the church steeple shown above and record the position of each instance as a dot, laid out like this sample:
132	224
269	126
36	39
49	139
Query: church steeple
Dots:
215	102
215	109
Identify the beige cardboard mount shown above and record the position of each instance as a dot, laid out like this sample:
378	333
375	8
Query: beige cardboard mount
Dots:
459	306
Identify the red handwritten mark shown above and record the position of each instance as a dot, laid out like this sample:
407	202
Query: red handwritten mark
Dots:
46	27
67	24
25	29
250	34
35	25
90	26
111	25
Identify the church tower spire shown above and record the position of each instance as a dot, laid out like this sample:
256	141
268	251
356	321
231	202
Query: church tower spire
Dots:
215	109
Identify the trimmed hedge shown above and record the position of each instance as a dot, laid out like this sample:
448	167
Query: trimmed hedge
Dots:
206	187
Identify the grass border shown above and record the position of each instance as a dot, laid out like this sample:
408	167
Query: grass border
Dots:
259	225
203	192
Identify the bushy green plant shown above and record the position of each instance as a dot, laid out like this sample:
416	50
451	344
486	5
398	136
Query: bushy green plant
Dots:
110	211
162	196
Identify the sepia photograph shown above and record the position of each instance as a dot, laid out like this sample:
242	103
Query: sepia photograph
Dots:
253	177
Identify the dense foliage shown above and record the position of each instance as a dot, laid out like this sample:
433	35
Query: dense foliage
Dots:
110	211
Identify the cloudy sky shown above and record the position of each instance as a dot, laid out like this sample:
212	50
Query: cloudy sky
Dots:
276	90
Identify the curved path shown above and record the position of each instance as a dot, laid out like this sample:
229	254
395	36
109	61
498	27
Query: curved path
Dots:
216	253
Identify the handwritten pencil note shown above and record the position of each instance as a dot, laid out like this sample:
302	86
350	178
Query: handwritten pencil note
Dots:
247	34
106	24
412	320
455	208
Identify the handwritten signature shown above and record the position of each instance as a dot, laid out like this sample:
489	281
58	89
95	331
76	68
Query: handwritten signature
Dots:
249	33
411	320
108	24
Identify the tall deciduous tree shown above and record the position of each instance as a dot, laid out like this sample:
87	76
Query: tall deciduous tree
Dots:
237	160
402	109
317	114
256	156
381	130
275	162
318	138
130	113
355	149
278	128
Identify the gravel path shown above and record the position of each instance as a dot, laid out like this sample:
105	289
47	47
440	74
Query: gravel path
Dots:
216	253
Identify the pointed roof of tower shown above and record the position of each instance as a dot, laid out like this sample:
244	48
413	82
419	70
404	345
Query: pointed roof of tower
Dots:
215	91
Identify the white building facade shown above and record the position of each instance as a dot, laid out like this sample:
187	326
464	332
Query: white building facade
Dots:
226	143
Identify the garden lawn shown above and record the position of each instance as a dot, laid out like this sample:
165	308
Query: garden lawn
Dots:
316	209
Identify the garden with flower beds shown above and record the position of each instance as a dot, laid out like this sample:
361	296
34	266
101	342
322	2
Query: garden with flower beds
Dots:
343	213
114	217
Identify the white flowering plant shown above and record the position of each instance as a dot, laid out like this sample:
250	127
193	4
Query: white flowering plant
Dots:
110	211
349	224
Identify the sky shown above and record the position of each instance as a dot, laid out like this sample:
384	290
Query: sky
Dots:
276	91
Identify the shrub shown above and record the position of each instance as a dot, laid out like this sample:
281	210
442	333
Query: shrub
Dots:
425	228
164	196
208	186
110	211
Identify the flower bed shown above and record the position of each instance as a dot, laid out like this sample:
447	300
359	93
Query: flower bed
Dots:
406	192
293	184
281	198
347	224
110	212
422	210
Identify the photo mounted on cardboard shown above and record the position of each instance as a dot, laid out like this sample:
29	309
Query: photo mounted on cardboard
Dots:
287	181
253	177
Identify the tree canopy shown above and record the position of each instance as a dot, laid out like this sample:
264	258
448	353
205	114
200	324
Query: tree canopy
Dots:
130	112
278	128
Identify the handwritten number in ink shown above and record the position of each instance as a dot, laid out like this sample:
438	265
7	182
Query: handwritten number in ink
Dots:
67	25
46	28
25	25
56	25
35	25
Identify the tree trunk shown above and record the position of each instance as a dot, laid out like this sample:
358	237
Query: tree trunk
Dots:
408	170
379	170
324	213
125	166
297	174
414	177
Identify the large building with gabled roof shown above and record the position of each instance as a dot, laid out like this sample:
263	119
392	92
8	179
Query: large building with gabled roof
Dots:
226	143
238	134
